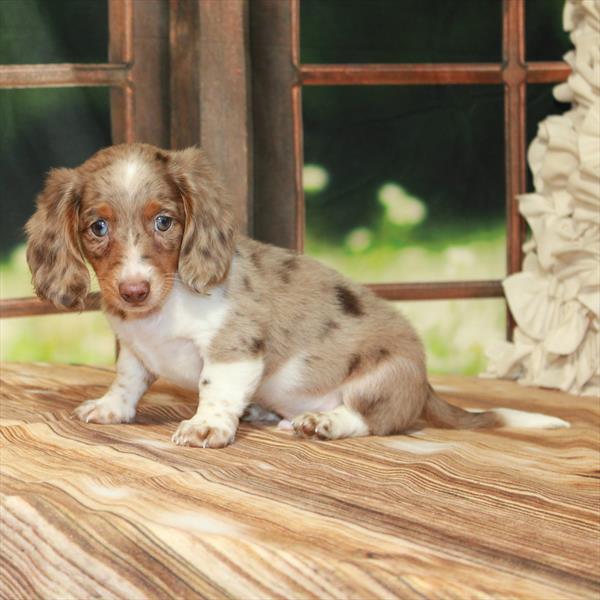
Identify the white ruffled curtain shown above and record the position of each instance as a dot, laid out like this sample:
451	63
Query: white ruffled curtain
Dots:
555	299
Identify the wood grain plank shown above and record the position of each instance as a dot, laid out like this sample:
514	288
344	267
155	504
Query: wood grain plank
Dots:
120	509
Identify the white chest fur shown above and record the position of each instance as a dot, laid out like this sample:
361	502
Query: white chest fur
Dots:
171	343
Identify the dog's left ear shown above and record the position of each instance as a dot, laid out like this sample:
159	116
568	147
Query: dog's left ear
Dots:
59	273
208	238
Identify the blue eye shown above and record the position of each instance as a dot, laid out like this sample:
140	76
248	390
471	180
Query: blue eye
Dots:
162	223
99	228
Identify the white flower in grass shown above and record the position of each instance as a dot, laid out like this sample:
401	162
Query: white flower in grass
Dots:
400	207
314	178
359	239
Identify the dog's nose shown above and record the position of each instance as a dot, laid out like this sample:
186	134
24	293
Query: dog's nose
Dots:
134	291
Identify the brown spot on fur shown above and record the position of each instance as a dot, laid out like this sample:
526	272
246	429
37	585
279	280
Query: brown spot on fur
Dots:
247	284
328	327
382	354
354	364
163	158
77	289
257	346
289	264
348	301
205	382
255	258
311	359
39	255
51	255
366	406
205	252
187	248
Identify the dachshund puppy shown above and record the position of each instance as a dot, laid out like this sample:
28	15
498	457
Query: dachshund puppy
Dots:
236	320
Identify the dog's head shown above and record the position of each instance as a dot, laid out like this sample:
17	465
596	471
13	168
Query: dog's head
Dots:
141	216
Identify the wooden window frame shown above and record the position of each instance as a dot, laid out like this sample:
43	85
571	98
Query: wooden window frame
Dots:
278	47
249	53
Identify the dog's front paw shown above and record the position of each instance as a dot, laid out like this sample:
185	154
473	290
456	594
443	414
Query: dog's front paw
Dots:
105	410
204	433
314	425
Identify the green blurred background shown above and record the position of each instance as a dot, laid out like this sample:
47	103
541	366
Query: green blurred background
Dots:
402	183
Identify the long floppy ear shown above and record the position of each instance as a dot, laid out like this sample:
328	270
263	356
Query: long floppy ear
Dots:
208	238
59	273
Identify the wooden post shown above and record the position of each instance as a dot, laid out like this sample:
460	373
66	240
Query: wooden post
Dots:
210	91
278	154
139	37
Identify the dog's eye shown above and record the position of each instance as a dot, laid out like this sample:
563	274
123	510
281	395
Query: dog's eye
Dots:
99	228
162	223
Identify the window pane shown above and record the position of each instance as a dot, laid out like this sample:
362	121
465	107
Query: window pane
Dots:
393	31
82	338
545	37
40	129
457	332
406	183
42	31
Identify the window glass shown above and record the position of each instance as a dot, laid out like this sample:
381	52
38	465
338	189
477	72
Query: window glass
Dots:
406	183
457	333
544	34
53	31
394	31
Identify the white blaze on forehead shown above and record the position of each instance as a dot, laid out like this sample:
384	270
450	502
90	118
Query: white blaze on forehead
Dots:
130	173
134	267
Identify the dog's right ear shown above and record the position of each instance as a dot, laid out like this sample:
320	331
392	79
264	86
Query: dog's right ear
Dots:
208	239
59	273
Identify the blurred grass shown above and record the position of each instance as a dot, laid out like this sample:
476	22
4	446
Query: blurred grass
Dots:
83	338
455	253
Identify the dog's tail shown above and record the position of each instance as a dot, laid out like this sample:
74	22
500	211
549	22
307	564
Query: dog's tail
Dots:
439	413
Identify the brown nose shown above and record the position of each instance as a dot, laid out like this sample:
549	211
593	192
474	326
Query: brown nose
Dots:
134	291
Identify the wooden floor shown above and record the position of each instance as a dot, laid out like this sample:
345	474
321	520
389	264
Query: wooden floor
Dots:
117	511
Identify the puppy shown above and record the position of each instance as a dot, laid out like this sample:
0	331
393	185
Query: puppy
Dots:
193	301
